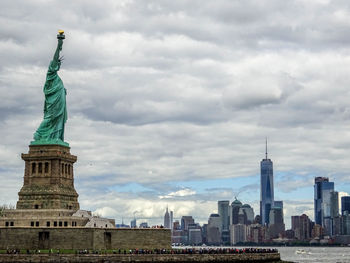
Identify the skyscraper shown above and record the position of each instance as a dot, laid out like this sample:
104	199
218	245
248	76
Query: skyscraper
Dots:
322	189
249	214
167	219
266	189
345	223
133	223
214	229
235	206
278	204
276	224
238	233
334	204
345	204
195	236
223	209
302	227
326	206
171	220
224	213
185	221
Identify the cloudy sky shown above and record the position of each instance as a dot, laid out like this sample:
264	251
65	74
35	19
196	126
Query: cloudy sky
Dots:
169	102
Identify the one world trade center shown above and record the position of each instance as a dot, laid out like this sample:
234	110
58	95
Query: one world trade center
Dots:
266	189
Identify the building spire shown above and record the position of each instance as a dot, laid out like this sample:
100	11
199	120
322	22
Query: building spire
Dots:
266	148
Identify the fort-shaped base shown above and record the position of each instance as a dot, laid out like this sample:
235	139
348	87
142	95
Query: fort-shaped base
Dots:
48	179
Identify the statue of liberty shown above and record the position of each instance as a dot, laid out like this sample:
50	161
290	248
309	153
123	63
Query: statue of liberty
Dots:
51	129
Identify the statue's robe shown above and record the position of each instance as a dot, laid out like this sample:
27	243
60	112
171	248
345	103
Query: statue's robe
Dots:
55	112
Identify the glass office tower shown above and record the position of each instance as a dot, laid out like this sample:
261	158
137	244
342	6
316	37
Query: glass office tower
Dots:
266	189
223	209
345	204
322	194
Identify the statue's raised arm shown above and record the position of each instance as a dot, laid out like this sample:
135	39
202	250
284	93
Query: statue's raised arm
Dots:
55	64
51	129
56	57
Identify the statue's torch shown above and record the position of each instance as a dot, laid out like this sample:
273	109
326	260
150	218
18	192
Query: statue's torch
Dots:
61	34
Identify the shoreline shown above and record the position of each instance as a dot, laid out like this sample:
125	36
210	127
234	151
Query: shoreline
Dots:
93	258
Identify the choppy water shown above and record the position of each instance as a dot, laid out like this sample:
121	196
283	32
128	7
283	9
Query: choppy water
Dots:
315	254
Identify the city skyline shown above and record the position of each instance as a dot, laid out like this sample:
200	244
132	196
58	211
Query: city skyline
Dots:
170	103
236	224
322	208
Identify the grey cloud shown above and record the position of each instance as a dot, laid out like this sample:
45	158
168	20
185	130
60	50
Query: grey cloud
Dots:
178	90
262	89
248	188
292	185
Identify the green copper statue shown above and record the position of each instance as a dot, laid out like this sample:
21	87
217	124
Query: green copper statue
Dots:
51	129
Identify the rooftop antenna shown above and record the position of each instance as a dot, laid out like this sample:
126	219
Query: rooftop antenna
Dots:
236	194
266	148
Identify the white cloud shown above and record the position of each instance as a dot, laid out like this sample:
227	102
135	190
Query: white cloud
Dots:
186	90
182	192
152	211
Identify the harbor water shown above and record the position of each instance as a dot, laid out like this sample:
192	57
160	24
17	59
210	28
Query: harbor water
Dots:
315	254
309	254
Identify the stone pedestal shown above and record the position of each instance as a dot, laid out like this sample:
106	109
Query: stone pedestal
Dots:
48	179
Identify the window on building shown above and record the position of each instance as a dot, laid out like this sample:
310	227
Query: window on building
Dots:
40	168
37	223
69	168
60	223
66	169
48	223
65	223
46	167
55	223
12	223
32	223
7	224
33	168
62	168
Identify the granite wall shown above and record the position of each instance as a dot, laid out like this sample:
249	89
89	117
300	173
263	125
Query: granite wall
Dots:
83	238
